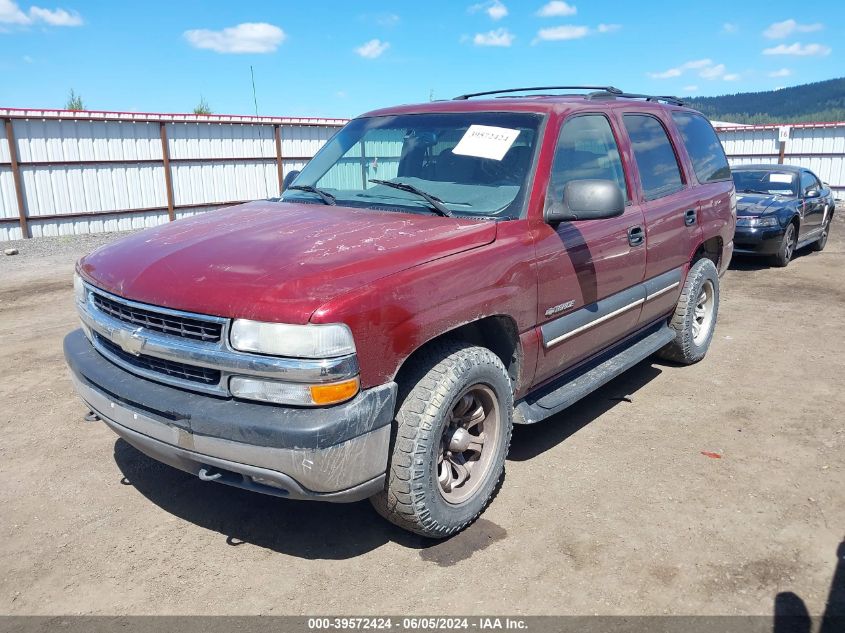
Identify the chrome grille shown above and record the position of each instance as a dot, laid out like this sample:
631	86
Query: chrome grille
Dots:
175	325
182	371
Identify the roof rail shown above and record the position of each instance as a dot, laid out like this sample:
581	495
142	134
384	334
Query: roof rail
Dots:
629	95
605	89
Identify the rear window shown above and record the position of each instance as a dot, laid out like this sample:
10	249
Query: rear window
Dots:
703	147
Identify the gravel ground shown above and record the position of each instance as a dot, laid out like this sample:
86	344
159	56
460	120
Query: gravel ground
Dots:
610	507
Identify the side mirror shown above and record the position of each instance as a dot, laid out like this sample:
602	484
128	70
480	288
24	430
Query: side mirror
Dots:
587	200
813	193
288	181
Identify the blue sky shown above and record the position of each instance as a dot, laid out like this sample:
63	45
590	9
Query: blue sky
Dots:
341	58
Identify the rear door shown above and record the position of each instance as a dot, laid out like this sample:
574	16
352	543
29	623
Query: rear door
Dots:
670	205
589	271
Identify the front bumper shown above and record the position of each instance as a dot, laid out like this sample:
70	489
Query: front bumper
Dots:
336	453
758	241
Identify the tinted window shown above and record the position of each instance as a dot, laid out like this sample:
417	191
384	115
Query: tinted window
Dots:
808	181
586	149
765	181
659	171
703	147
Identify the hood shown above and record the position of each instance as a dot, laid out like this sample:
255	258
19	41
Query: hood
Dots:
758	203
273	261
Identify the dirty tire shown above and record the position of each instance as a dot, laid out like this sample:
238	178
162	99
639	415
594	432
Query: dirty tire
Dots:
687	348
787	247
820	243
429	394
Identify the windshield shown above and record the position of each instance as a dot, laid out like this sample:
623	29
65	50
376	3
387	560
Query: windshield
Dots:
763	181
474	164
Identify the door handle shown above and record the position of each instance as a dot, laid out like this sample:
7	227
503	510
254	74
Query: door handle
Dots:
690	217
636	235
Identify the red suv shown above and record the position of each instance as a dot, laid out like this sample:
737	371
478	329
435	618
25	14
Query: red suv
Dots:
435	274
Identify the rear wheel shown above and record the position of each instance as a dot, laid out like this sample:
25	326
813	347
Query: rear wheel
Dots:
820	243
453	430
787	247
695	315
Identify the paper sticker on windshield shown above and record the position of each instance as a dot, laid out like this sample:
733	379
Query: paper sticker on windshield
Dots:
485	141
787	178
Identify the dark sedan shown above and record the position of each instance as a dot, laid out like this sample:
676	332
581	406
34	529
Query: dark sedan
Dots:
780	208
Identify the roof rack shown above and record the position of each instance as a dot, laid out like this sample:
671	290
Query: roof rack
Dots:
605	89
601	92
630	95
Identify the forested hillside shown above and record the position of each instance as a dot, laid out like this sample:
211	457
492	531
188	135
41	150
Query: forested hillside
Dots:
819	101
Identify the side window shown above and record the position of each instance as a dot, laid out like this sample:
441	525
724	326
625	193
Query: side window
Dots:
808	181
703	146
658	166
586	149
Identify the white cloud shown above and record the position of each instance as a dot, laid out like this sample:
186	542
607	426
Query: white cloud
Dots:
780	30
556	9
691	88
11	13
783	72
249	37
800	50
608	28
731	77
730	27
372	49
712	72
565	32
695	64
56	17
499	37
388	20
493	8
27	59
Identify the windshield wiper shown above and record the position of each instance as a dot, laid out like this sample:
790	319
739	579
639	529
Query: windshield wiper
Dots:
766	193
324	195
436	203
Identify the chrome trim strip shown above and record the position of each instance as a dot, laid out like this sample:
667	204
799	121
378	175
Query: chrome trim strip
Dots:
213	355
593	323
663	291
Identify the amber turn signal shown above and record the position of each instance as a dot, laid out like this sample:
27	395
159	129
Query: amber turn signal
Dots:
335	392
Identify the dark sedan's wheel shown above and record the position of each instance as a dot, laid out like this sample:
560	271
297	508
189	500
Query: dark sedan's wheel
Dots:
453	430
787	247
820	243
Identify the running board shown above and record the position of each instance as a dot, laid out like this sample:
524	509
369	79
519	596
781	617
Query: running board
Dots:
582	381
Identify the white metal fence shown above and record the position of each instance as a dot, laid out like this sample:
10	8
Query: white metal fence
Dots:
65	172
817	146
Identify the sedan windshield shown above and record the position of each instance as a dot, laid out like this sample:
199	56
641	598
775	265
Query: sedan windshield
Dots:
464	164
764	181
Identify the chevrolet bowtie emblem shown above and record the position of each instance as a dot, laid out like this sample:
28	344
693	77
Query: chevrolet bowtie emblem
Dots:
130	342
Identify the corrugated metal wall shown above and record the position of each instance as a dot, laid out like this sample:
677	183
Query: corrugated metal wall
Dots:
817	146
90	172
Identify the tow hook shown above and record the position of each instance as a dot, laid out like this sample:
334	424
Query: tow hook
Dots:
206	474
92	417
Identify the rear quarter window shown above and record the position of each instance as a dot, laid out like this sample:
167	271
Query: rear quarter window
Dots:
660	173
703	146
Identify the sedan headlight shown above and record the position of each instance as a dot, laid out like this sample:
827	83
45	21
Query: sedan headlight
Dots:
757	221
295	341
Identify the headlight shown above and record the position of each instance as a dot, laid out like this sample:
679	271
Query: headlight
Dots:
79	290
292	393
296	341
755	221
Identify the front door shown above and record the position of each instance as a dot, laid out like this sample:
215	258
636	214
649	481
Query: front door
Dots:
814	210
589	271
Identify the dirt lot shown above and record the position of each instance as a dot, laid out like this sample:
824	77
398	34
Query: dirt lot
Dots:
609	508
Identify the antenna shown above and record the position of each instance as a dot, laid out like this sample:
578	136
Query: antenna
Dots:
254	98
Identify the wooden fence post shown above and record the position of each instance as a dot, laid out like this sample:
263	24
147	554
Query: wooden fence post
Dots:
168	179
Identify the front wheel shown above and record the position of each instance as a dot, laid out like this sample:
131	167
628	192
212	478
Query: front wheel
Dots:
695	315
453	430
787	247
